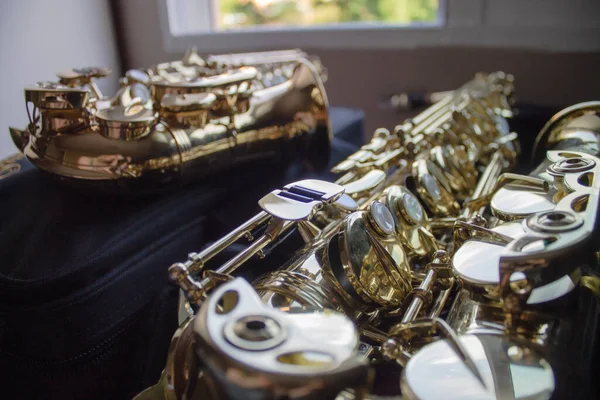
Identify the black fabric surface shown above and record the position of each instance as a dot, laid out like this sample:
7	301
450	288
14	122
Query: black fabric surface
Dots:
86	309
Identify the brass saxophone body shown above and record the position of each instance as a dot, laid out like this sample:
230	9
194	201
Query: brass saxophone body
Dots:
178	121
530	281
426	255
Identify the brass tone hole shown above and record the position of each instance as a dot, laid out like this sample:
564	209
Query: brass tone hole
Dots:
586	179
258	329
580	203
306	359
555	217
255	325
572	161
134	110
568	155
227	302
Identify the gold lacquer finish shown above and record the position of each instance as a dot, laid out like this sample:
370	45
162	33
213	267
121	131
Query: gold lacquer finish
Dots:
10	166
578	125
413	256
177	121
373	259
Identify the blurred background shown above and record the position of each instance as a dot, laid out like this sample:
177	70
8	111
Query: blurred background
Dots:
231	14
371	48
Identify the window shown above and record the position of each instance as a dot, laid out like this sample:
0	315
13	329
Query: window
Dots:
194	16
234	14
241	25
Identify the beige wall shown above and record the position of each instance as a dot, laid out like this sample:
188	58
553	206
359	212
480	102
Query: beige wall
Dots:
360	78
41	37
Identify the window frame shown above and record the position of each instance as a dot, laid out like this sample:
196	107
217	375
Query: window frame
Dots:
460	23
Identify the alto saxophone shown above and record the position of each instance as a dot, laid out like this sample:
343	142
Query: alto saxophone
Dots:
178	121
427	261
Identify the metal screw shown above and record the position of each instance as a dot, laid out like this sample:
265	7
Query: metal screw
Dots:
478	220
521	286
441	256
389	348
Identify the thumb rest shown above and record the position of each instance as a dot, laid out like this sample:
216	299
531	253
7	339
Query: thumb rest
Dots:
425	254
178	121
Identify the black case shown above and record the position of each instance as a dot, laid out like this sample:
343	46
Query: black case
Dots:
86	308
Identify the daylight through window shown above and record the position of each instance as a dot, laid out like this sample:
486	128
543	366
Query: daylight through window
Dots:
235	14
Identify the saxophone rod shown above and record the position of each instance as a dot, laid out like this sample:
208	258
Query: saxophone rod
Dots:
453	340
432	120
484	189
417	302
96	90
493	180
442	118
434	109
433	116
374	334
196	261
490	182
412	124
347	177
441	300
438	117
486	182
233	264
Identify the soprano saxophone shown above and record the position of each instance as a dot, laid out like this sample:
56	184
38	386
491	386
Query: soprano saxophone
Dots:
178	121
426	271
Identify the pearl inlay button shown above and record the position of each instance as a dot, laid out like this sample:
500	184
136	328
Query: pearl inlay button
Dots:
413	208
382	217
431	186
